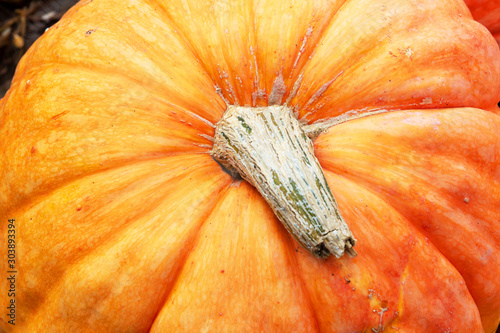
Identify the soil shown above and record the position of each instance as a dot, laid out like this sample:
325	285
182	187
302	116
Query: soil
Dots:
21	23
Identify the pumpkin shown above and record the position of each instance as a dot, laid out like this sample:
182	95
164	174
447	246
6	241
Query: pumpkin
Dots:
126	218
488	13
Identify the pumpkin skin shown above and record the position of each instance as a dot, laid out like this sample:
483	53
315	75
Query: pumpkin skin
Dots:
126	224
488	13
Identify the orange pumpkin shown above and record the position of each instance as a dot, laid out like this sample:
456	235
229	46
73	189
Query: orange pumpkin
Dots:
124	222
488	13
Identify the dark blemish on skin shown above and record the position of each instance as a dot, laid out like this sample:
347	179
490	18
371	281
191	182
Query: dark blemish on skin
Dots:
89	32
60	114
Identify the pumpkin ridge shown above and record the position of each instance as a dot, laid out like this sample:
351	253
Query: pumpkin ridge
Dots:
309	55
182	36
297	70
240	261
473	165
404	274
36	197
403	211
417	215
157	92
112	239
192	245
365	182
419	235
254	46
294	264
416	245
151	55
30	128
231	80
55	276
342	70
383	93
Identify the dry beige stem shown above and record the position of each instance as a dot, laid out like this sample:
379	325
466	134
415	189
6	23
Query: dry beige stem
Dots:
268	148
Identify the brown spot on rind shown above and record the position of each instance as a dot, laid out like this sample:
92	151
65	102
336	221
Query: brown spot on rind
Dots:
89	32
60	114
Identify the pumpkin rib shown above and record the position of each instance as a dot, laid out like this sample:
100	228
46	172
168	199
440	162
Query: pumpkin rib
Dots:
202	124
110	152
293	247
111	245
230	259
38	201
195	239
253	55
146	69
182	36
485	237
157	92
441	193
173	276
302	56
451	162
339	94
346	176
452	159
403	261
31	197
400	303
188	43
438	209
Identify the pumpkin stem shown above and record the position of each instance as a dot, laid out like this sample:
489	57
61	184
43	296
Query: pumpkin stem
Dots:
267	147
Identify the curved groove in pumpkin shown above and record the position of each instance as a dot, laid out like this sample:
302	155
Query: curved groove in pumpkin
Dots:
146	130
238	267
222	193
135	93
293	249
157	92
488	14
363	313
451	201
37	196
134	83
138	50
182	36
409	290
131	180
271	53
398	72
250	77
189	43
159	233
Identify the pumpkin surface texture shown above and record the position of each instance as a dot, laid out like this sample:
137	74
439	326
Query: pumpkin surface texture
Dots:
124	221
488	13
